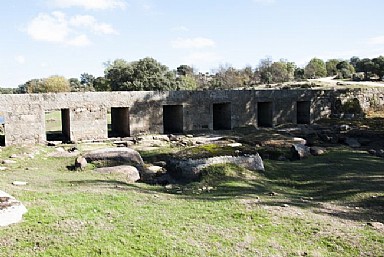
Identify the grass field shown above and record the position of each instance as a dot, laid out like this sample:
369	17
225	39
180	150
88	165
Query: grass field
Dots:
316	207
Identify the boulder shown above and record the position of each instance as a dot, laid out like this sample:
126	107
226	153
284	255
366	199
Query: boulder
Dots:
344	127
130	173
80	163
160	163
155	169
19	183
314	150
234	145
352	142
117	154
11	210
9	162
300	151
380	153
191	169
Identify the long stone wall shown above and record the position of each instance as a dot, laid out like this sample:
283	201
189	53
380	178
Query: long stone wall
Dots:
84	115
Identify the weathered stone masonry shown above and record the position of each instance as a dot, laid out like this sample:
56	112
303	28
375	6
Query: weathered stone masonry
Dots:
84	115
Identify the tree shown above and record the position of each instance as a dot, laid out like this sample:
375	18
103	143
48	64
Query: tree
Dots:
330	65
184	70
299	74
279	72
75	84
101	84
344	69
186	78
187	82
227	77
315	69
31	87
353	61
365	65
145	74
55	84
264	70
86	81
378	67
117	73
282	71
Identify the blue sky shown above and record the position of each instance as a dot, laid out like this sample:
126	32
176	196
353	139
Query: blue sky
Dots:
40	38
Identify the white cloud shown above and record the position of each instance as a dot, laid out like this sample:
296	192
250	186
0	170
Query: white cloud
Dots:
198	42
49	27
89	22
91	4
20	59
58	28
376	40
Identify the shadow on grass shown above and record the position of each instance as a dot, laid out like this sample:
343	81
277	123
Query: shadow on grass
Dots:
353	179
341	183
114	184
352	182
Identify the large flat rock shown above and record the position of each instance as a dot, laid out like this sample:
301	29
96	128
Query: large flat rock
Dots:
11	210
123	155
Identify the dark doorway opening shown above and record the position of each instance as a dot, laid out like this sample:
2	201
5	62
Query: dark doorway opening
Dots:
2	131
264	114
303	112
222	116
173	119
57	125
119	122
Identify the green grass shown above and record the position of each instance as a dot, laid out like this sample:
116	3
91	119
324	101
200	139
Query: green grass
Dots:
88	214
53	121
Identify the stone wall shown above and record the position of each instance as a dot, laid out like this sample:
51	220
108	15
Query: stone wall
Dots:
86	113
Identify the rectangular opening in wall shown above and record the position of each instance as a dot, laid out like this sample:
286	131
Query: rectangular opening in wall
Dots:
57	125
118	122
173	119
222	116
2	130
303	112
264	114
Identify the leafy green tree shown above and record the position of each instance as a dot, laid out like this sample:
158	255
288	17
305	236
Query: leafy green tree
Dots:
145	74
86	81
344	69
75	85
186	78
299	74
315	69
101	84
55	84
282	71
365	65
378	67
184	70
353	61
330	65
263	70
8	90
187	82
32	86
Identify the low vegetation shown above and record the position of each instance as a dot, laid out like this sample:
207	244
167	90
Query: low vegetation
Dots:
320	206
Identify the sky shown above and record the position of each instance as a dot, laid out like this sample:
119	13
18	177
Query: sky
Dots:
41	38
